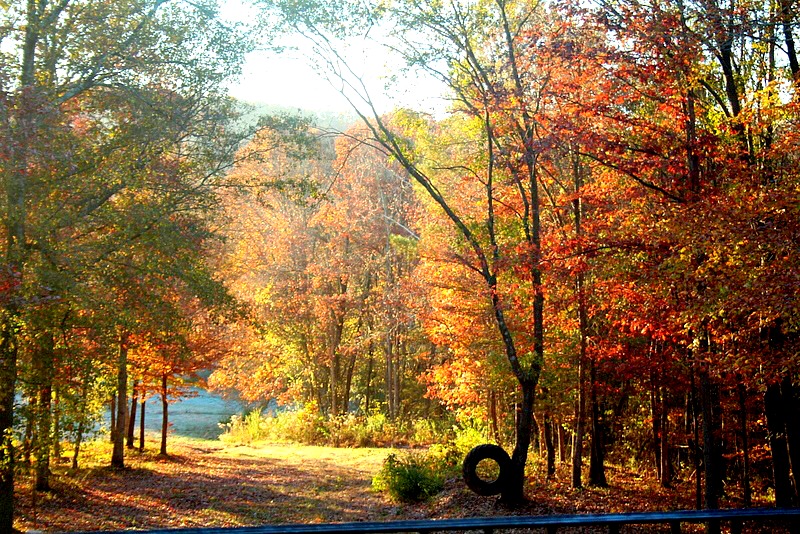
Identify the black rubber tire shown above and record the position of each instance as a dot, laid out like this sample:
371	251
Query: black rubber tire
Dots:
469	469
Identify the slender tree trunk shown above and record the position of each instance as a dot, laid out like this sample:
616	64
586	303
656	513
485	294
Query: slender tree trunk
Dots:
493	425
398	374
368	392
8	375
776	427
712	454
536	435
142	404
791	417
132	419
164	415
655	423
698	478
548	443
746	492
27	441
113	411
348	383
666	466
577	439
76	451
597	468
787	18
118	454
82	416
562	443
57	424
45	368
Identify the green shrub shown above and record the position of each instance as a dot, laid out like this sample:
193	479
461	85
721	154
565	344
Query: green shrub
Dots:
410	478
245	429
466	438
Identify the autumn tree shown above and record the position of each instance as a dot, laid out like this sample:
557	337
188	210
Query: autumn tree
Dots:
77	67
492	200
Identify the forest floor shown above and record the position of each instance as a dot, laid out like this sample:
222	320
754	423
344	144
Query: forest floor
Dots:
205	483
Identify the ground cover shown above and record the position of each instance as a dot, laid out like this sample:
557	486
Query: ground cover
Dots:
204	484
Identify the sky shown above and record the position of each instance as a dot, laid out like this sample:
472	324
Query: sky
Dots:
287	79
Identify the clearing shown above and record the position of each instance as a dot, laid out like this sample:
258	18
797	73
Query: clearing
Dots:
207	484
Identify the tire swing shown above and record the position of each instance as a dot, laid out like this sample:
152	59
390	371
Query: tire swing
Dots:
470	469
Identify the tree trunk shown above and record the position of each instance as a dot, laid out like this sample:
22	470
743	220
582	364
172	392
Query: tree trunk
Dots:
583	324
787	19
746	492
791	417
56	425
666	466
695	447
118	454
493	425
515	493
45	367
776	427
597	468
536	434
132	420
548	443
712	454
83	407
27	441
164	415
348	382
113	411
76	451
141	423
368	393
8	376
655	423
562	443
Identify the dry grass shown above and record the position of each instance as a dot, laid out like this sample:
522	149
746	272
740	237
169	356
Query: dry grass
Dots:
205	484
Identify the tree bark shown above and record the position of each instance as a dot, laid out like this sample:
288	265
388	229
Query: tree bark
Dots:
655	424
493	425
142	404
548	443
132	419
791	416
583	325
746	491
776	427
44	368
787	18
666	466
712	454
118	454
695	446
8	374
113	411
597	469
515	493
164	415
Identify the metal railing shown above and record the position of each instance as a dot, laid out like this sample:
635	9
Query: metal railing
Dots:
788	518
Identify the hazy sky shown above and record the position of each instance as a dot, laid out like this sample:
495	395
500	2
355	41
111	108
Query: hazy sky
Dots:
287	79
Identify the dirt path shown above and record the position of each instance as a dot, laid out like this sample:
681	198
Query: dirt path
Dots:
213	486
204	484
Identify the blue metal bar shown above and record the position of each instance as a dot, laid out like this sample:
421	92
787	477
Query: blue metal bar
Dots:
789	516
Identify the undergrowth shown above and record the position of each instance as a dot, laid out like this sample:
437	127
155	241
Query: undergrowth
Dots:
306	426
